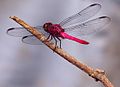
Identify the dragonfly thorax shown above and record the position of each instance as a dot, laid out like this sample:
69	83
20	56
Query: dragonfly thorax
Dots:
53	29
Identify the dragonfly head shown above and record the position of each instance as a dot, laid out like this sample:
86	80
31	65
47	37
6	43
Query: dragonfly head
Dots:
47	25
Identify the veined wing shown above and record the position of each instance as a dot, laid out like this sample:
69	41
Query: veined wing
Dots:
82	16
31	39
89	27
20	31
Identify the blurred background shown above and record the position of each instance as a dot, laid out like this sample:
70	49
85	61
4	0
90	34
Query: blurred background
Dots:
24	65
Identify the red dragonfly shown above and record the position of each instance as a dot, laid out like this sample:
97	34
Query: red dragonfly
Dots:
75	24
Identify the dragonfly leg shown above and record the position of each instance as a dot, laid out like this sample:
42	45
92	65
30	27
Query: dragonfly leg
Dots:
46	40
55	42
60	41
51	37
48	37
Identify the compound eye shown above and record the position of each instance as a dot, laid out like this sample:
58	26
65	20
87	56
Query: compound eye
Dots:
50	23
46	25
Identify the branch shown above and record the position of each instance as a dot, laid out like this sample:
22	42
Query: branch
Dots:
98	75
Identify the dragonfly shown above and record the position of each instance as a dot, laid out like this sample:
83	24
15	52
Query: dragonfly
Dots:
77	24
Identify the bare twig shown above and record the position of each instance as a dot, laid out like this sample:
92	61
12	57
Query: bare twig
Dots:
98	75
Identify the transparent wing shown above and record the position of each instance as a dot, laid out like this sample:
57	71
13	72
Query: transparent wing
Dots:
31	39
82	15
20	31
89	27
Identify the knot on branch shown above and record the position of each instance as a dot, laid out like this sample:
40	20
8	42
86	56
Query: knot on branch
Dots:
97	74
